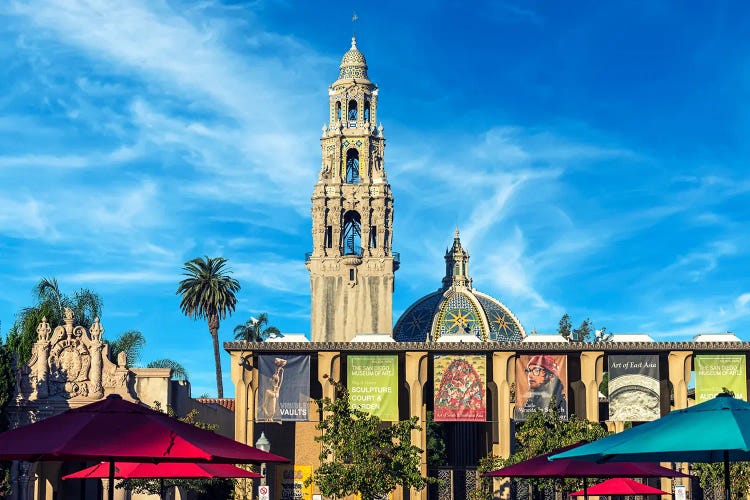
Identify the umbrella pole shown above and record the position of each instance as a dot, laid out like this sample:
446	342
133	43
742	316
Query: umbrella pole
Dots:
726	476
585	489
111	485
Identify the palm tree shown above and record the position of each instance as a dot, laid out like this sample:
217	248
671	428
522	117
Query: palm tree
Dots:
179	372
208	292
131	342
252	330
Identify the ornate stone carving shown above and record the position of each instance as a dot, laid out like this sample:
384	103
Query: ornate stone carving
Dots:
71	363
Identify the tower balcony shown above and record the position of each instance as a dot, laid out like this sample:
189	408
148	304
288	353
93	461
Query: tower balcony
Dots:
356	258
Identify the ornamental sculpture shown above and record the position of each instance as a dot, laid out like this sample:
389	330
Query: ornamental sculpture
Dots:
69	367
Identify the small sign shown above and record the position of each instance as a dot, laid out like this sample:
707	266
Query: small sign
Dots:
264	492
679	492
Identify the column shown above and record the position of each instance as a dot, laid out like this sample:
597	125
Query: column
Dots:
680	365
243	377
503	366
592	368
415	378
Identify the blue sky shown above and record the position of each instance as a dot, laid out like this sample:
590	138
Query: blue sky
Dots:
593	155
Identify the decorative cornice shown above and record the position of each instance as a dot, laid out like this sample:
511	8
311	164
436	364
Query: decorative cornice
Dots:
489	347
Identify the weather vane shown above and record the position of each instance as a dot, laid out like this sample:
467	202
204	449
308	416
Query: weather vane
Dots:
354	23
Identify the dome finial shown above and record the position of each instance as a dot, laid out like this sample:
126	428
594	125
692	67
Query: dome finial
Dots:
354	43
456	234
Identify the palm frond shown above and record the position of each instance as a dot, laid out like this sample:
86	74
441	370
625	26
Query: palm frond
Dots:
179	372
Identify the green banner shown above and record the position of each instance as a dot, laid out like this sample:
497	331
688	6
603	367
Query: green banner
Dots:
714	372
372	382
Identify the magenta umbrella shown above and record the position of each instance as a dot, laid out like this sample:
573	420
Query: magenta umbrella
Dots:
620	486
166	470
115	430
541	467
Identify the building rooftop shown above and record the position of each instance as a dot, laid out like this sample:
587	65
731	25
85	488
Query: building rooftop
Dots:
289	337
630	337
544	337
716	337
373	337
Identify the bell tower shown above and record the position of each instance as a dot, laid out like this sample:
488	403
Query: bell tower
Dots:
351	264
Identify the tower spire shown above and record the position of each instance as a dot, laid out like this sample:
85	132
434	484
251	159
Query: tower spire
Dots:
456	265
351	264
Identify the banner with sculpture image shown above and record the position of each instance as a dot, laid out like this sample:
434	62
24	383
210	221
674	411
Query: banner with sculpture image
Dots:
283	388
372	382
460	388
716	372
540	380
634	390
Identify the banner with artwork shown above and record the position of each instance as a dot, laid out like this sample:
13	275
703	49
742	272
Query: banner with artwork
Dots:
372	382
541	379
283	388
714	372
460	388
290	482
634	390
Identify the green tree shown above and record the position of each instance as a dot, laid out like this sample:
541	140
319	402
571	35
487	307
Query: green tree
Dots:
436	449
50	302
711	478
543	431
255	329
361	454
583	332
131	343
565	328
209	292
179	372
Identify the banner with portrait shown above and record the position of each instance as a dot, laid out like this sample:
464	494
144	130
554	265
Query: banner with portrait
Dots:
460	388
372	382
714	372
634	388
541	379
283	388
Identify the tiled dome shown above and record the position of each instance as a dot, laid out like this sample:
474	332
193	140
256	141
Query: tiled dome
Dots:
458	309
353	64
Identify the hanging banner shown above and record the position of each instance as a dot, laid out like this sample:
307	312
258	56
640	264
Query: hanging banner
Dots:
634	390
460	388
283	388
290	482
541	379
714	372
372	382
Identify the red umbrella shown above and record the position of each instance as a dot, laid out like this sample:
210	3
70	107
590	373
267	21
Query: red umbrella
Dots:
166	470
620	486
115	430
541	467
143	470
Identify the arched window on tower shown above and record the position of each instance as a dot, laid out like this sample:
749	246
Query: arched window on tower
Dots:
352	112
351	236
338	110
352	166
367	110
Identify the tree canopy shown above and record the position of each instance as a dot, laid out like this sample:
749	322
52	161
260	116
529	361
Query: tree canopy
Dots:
255	329
361	454
209	292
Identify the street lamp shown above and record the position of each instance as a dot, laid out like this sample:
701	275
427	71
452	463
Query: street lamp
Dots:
263	444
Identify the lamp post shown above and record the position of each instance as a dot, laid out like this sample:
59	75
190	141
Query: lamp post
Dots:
263	444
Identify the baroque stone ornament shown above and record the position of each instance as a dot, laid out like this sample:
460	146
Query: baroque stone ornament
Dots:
67	368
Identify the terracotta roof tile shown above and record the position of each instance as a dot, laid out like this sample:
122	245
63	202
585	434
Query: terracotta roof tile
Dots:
227	403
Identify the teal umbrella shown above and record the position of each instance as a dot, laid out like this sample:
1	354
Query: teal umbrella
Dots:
715	431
